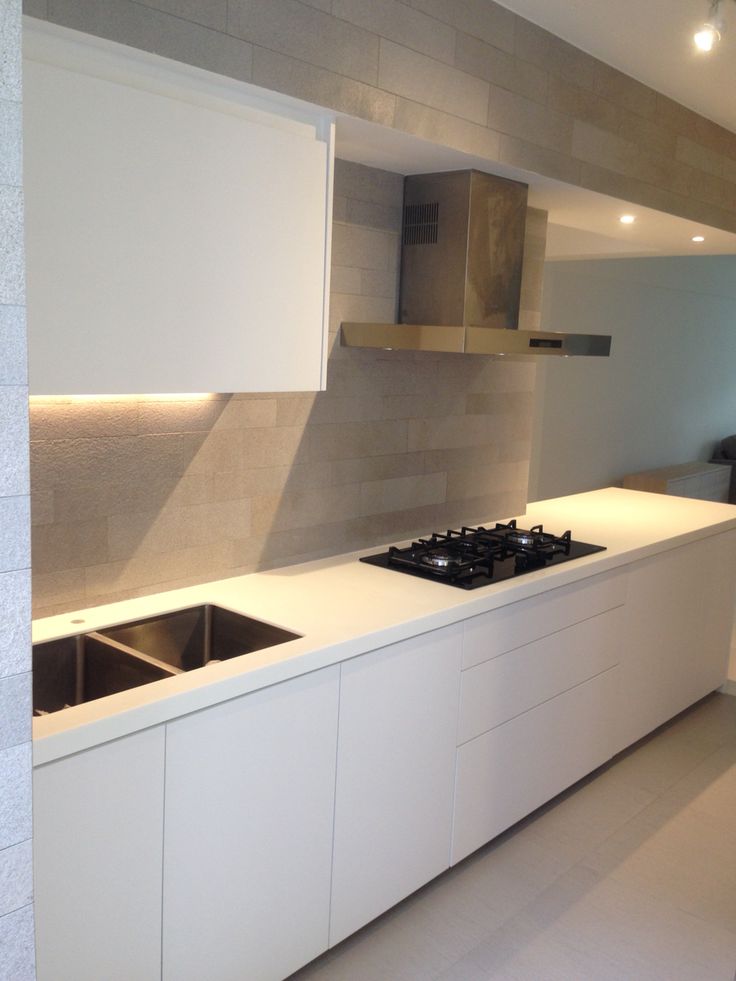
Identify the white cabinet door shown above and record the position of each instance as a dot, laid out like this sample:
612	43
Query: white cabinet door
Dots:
177	233
678	625
97	824
248	833
506	773
396	749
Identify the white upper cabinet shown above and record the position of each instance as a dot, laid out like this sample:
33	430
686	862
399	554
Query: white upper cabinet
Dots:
177	225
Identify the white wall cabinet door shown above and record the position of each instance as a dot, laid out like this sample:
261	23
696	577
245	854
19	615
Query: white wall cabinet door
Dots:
97	823
248	833
177	226
396	749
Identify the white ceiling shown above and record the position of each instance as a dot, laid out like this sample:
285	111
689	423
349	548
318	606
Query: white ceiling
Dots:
648	39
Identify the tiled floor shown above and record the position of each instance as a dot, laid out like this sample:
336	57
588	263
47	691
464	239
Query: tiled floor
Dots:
629	876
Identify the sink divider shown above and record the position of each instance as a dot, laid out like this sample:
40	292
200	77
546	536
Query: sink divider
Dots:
132	652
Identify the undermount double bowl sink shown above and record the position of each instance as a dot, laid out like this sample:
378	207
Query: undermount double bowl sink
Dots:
91	665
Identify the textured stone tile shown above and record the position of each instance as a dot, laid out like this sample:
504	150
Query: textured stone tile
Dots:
148	570
437	126
310	35
387	217
305	508
282	73
69	545
596	146
17	946
487	21
15	710
10	141
395	20
566	97
13	441
377	468
517	116
15	522
539	160
501	68
58	419
351	439
429	82
699	156
15	622
499	477
624	91
36	8
156	31
176	528
210	13
346	280
15	794
16	877
366	248
12	270
648	133
58	590
400	493
10	48
369	184
13	365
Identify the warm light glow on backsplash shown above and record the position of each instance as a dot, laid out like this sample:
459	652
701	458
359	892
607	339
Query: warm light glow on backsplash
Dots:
164	397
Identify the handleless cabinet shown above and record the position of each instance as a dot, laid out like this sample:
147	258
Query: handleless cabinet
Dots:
395	766
98	821
177	225
248	833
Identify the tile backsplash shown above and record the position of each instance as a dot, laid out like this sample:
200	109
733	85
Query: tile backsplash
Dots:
136	495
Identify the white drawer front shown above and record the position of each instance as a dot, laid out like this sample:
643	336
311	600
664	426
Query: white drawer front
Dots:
506	773
494	633
506	686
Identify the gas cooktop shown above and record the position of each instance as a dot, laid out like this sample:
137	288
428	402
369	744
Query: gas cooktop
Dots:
474	557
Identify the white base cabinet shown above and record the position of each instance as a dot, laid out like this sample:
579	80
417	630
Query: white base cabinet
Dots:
395	763
98	823
296	814
677	632
248	833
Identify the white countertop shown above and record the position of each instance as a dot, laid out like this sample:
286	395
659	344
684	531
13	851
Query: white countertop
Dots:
343	608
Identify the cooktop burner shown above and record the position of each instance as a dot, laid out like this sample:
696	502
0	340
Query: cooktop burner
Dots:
473	557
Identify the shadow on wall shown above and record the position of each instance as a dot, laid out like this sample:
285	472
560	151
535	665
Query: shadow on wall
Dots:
139	495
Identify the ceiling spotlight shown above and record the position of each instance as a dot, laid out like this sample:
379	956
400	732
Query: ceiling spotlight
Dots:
698	238
708	35
627	219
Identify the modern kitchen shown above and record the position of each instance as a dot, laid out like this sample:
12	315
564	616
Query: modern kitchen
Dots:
342	649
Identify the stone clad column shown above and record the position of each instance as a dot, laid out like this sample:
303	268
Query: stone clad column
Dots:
17	957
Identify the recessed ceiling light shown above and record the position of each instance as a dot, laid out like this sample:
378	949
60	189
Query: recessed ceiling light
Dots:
627	219
698	238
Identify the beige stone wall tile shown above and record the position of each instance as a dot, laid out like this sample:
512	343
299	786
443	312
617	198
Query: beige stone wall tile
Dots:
293	29
174	37
282	73
170	416
247	414
305	508
374	215
355	439
368	184
593	145
432	124
372	468
516	116
501	68
58	589
365	309
294	411
347	280
148	571
402	493
570	99
492	403
401	23
700	157
347	408
365	248
210	13
624	91
482	18
58	419
69	545
429	82
539	160
649	134
174	528
498	478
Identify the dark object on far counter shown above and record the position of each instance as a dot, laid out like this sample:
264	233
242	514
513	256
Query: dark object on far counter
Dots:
473	557
725	453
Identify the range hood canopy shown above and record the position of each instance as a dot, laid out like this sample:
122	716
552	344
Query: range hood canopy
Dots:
461	266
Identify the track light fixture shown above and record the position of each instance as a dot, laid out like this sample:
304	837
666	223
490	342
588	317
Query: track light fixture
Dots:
709	33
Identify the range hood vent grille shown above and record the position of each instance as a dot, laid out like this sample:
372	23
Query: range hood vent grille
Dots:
421	223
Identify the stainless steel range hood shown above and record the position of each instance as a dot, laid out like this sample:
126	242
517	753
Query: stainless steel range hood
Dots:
461	271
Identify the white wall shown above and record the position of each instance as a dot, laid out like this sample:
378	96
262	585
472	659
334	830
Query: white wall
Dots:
666	395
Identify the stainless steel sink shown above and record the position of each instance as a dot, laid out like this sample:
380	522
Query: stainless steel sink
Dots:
193	637
79	669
